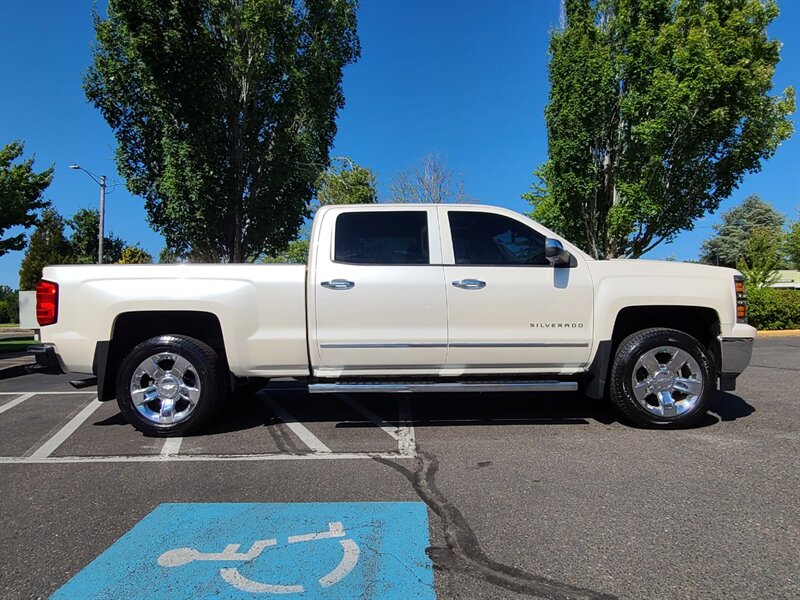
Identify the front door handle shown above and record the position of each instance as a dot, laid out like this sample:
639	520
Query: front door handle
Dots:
470	284
338	284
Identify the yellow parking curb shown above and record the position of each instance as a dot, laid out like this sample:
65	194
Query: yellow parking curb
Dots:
780	333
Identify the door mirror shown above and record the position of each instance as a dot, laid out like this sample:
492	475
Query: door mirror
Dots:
555	253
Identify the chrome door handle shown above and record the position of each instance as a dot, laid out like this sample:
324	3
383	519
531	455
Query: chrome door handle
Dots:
470	284
338	284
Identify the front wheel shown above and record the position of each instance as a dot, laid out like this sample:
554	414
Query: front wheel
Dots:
169	385
662	377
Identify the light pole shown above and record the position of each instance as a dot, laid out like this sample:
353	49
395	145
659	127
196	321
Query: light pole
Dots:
102	183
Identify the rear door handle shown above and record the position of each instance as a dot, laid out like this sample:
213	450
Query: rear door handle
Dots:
338	284
470	284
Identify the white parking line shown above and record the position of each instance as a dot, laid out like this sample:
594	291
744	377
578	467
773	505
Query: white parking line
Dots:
49	393
46	449
407	444
378	421
15	402
156	458
300	430
171	446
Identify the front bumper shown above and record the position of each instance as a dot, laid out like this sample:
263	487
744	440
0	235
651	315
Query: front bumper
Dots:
735	354
46	360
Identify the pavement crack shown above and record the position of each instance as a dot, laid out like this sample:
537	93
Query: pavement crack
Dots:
464	553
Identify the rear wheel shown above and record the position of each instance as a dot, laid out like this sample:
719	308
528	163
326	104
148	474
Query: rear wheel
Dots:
662	377
169	385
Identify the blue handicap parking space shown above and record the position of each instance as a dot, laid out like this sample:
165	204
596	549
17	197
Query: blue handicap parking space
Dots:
253	550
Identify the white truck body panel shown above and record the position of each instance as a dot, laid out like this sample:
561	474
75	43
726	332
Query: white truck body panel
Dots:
396	319
262	308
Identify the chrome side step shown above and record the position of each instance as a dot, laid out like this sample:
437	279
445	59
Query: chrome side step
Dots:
410	387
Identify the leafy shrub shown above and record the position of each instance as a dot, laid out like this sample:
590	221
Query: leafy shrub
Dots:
772	308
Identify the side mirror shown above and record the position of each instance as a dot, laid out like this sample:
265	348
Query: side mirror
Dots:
555	253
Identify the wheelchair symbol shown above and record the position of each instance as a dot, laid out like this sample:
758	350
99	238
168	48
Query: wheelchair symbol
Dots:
183	556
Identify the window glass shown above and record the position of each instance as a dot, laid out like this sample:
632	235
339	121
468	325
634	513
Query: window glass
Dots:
382	237
490	239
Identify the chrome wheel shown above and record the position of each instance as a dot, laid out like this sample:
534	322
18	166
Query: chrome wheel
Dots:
667	381
165	388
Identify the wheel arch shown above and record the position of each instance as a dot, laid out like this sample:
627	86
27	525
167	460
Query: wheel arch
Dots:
701	322
132	328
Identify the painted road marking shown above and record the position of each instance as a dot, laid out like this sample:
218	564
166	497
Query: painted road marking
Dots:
404	434
407	445
61	436
15	402
49	393
309	439
171	446
155	458
376	420
366	550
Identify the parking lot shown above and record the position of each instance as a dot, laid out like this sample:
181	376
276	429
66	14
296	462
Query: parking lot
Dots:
525	495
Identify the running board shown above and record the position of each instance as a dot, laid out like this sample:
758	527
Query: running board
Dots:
394	387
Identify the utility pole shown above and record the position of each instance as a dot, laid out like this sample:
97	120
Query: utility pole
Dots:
102	219
102	183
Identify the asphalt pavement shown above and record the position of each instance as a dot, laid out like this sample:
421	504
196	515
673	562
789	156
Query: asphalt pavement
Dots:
546	496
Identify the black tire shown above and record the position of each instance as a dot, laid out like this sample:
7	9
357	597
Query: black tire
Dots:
160	365
662	378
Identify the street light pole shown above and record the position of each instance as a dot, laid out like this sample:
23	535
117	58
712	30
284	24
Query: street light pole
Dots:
102	219
102	183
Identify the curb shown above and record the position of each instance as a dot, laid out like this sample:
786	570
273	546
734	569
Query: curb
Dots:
779	333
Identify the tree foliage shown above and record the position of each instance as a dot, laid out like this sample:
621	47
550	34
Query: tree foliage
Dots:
657	110
761	259
348	183
224	111
21	195
47	246
9	305
430	182
85	225
134	255
296	253
732	237
792	245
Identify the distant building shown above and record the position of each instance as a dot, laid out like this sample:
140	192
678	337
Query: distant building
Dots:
788	280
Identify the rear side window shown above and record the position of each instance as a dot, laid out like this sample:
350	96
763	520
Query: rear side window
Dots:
382	238
490	239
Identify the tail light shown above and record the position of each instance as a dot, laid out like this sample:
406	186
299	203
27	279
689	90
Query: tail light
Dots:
741	299
46	302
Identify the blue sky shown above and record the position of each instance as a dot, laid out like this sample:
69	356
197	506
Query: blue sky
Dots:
463	79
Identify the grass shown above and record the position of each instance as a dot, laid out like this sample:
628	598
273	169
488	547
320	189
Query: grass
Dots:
16	345
9	325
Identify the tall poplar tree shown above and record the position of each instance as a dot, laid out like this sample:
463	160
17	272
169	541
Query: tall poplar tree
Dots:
657	110
224	111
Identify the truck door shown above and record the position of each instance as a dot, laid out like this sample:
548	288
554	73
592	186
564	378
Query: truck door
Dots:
509	309
379	301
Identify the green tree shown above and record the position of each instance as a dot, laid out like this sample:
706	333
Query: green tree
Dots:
792	245
657	110
47	246
85	225
761	259
134	255
224	111
296	253
9	305
347	184
732	236
21	195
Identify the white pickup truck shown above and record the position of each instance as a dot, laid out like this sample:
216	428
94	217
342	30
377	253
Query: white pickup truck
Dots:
402	298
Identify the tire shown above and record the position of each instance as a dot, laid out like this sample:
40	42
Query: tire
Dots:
662	378
170	385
